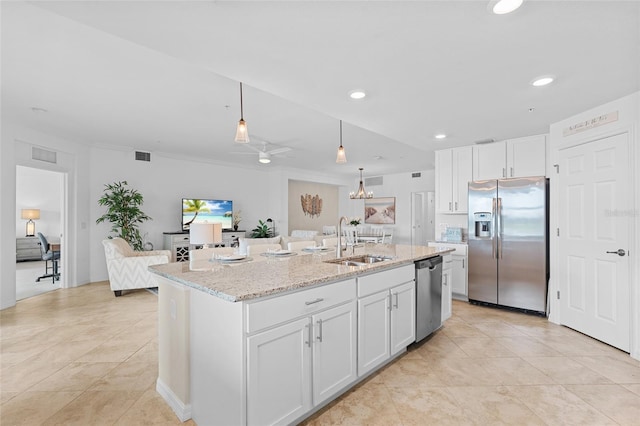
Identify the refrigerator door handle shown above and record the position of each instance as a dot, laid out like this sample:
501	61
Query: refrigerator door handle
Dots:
493	229
499	230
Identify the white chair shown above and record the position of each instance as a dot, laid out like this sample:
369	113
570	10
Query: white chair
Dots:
199	260
350	235
330	242
256	249
329	230
378	233
299	245
128	268
387	237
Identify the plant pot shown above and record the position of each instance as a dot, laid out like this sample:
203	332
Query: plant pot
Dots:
235	227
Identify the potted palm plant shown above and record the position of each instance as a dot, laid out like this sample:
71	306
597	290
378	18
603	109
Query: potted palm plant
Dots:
261	231
123	212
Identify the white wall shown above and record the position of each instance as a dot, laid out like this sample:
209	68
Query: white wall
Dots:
400	186
39	189
628	108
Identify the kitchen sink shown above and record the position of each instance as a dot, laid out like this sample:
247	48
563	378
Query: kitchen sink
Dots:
367	259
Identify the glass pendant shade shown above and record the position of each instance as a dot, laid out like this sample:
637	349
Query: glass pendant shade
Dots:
361	193
242	133
341	157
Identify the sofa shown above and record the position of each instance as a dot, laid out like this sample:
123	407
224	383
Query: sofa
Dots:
128	269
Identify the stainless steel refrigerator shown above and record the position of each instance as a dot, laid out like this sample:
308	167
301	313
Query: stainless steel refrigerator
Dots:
508	242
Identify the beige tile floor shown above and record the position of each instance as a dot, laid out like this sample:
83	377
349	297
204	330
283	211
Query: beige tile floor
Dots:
83	357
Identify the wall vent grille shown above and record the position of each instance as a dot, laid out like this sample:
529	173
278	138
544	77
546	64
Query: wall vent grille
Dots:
416	174
373	181
143	156
44	155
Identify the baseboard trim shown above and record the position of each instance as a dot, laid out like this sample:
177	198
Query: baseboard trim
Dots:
179	408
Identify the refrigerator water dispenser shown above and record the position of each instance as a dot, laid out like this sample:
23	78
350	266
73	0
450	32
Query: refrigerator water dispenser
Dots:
483	224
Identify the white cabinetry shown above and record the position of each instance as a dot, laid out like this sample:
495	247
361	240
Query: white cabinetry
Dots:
519	157
178	244
386	316
446	286
299	364
459	263
453	173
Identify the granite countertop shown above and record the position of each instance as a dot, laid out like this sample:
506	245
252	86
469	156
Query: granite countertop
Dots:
264	276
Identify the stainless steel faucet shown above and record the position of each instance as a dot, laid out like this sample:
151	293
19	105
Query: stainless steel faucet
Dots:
339	246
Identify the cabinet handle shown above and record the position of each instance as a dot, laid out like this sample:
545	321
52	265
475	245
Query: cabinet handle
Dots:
462	263
308	341
450	206
456	204
396	304
504	172
319	331
511	171
311	302
445	280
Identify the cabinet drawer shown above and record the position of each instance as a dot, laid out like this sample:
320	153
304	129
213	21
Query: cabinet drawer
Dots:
180	239
27	243
447	262
279	309
371	284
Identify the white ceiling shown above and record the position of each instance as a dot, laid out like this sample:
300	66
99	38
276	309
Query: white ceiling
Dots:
163	76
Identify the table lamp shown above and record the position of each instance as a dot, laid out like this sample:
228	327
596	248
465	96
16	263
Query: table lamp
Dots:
205	234
30	214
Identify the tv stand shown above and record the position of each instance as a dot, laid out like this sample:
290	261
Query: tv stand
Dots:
178	242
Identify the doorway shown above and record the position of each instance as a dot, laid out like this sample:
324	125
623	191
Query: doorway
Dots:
41	191
422	217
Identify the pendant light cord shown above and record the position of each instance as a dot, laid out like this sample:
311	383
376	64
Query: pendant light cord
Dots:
241	106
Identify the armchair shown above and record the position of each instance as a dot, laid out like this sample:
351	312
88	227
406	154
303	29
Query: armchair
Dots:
128	268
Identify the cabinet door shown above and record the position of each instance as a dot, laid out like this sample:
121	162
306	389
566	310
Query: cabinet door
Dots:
459	275
462	175
279	374
334	350
373	331
526	156
489	161
446	294
403	316
444	181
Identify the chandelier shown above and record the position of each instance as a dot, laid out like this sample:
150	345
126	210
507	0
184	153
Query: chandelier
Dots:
361	193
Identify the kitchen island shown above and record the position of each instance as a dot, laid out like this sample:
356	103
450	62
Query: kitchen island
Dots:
274	339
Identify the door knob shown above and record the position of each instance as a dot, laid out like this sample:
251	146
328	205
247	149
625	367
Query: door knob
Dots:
619	252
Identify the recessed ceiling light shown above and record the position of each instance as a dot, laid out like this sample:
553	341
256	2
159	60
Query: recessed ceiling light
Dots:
440	136
502	7
357	94
542	81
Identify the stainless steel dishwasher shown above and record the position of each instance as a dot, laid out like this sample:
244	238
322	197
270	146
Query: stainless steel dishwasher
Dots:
428	296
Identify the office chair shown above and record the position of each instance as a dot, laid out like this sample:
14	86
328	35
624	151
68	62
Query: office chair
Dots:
48	255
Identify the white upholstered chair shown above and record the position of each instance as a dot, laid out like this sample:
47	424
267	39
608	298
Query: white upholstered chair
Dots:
199	260
299	245
329	230
303	233
128	268
330	242
256	249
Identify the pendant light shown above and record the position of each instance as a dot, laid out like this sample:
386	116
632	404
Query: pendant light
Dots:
341	157
242	134
361	192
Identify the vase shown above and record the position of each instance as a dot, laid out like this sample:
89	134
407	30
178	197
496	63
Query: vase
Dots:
235	227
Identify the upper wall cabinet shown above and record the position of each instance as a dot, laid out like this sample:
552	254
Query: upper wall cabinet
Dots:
521	157
453	173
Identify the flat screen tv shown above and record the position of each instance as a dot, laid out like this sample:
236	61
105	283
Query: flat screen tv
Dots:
201	211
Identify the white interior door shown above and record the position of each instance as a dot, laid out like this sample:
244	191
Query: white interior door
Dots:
595	200
417	219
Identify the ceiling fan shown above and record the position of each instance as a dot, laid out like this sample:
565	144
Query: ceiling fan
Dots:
264	155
